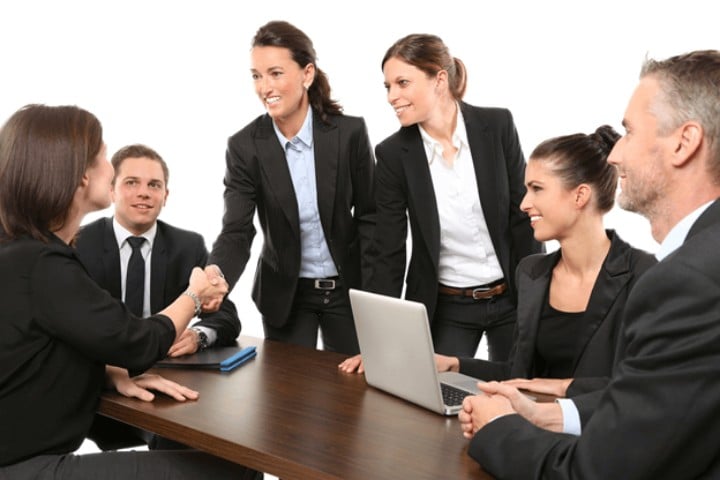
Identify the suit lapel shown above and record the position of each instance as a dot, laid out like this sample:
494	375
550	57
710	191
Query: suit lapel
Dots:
482	148
534	287
421	191
158	269
276	173
614	275
326	148
111	259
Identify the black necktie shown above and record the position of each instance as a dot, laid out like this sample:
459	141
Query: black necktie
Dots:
135	280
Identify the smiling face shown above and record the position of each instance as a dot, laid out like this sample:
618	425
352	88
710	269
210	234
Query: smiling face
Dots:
411	93
281	84
551	206
139	193
641	153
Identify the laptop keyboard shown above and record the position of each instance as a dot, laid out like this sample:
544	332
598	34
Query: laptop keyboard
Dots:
453	396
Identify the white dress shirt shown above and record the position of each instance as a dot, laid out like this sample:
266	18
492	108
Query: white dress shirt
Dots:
467	255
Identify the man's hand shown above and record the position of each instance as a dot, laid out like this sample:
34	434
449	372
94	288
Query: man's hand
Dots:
479	410
545	415
186	344
551	386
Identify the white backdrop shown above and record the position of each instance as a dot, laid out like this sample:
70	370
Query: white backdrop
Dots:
175	75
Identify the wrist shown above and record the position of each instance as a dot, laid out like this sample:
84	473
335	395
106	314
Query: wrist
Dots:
201	338
196	301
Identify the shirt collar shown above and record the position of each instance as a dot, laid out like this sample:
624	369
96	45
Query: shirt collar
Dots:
676	236
304	136
459	138
122	234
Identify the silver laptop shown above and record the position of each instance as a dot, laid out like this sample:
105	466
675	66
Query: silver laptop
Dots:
398	356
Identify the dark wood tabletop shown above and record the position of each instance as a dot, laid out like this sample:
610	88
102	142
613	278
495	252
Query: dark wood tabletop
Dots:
291	413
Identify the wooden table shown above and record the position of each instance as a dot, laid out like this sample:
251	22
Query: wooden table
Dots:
291	413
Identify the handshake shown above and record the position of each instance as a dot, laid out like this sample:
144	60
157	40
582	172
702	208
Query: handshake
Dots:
210	287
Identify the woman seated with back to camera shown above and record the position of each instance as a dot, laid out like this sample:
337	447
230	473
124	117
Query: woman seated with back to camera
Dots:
570	302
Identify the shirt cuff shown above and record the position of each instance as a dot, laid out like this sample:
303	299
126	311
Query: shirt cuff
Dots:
210	332
571	416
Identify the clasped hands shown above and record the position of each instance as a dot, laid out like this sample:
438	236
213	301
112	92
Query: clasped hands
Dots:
504	398
210	286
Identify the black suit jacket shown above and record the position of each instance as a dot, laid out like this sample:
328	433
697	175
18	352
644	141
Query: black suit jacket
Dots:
175	253
600	327
658	417
404	189
258	178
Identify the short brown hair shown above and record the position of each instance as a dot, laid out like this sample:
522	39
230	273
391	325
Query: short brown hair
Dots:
44	153
138	151
690	85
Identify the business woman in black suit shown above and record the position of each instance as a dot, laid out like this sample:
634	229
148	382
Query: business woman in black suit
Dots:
308	171
570	302
456	172
62	337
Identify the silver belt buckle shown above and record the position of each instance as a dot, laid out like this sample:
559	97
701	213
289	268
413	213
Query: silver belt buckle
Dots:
324	284
477	291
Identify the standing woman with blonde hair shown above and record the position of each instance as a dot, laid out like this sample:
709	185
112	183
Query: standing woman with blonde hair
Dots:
455	171
307	170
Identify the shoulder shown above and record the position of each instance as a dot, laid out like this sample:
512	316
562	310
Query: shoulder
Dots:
400	139
537	264
30	255
179	235
261	125
89	236
95	227
634	259
346	121
490	116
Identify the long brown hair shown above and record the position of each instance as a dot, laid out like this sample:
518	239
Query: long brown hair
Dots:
44	152
285	35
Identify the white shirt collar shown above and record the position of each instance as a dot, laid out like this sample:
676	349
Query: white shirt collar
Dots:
676	236
122	234
459	138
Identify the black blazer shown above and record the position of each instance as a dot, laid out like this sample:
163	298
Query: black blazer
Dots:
404	189
58	330
658	417
258	178
175	253
600	327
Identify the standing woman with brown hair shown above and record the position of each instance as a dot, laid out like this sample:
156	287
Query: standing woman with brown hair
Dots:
455	171
62	337
308	171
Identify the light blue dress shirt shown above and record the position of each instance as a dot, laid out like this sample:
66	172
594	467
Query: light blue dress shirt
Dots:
315	258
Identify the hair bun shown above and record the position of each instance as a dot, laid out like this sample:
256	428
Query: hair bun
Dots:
605	137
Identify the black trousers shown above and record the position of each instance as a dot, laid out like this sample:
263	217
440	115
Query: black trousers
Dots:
154	465
460	322
313	309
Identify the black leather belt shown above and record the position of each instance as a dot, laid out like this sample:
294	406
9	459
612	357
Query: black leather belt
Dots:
321	283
